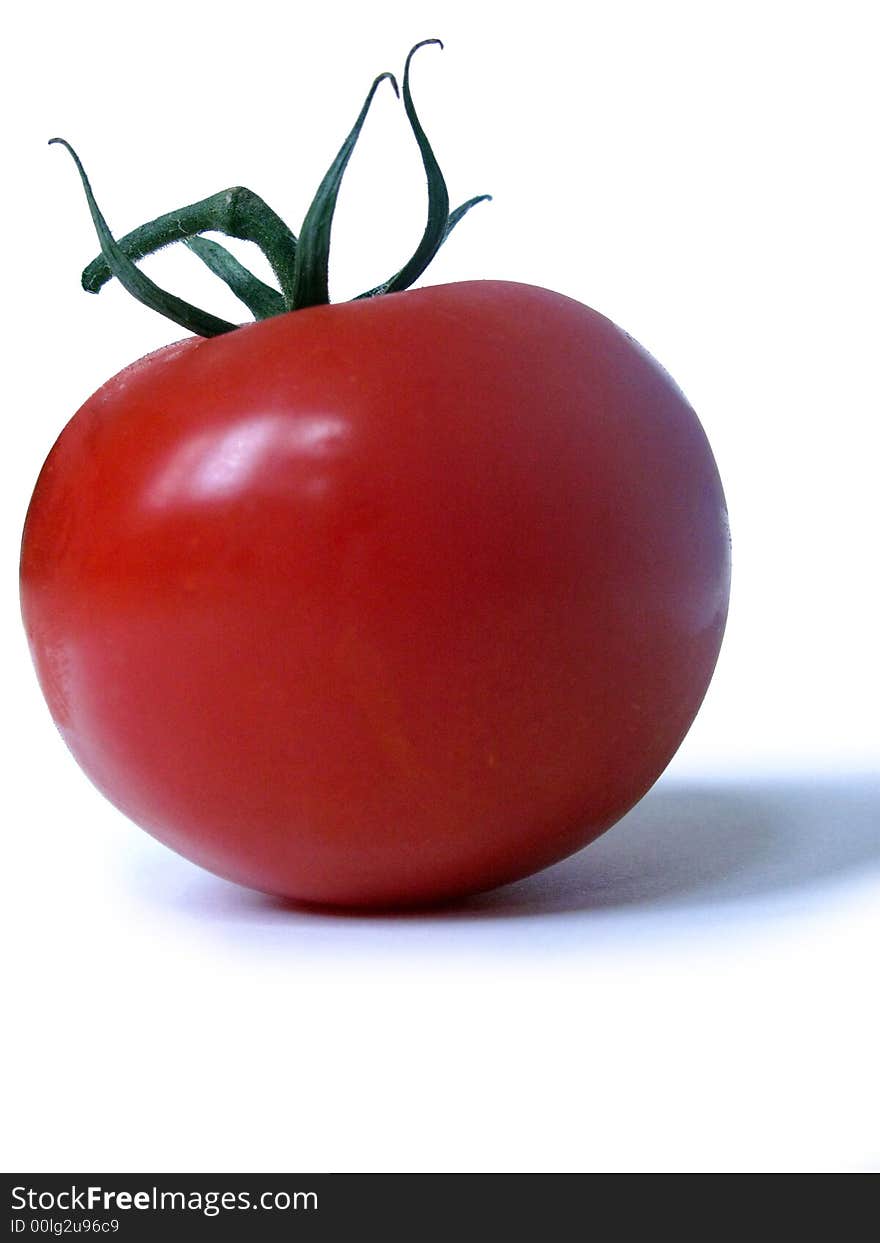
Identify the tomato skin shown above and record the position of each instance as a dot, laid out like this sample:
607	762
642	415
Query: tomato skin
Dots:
383	602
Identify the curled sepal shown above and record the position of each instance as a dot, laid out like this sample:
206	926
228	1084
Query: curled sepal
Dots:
260	299
451	221
138	285
438	195
440	222
311	271
461	212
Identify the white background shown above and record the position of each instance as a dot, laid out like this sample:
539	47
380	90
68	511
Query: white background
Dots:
697	991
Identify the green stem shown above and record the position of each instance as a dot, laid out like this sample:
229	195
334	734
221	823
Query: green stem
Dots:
301	266
237	212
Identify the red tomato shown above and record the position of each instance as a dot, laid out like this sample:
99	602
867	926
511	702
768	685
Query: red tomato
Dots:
381	602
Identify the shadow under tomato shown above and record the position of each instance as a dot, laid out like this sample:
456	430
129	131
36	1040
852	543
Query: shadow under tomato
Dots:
687	843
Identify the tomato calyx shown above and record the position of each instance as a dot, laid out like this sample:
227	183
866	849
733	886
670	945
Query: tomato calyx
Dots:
300	264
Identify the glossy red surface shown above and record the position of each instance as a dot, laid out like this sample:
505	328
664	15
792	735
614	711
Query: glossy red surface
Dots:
380	602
